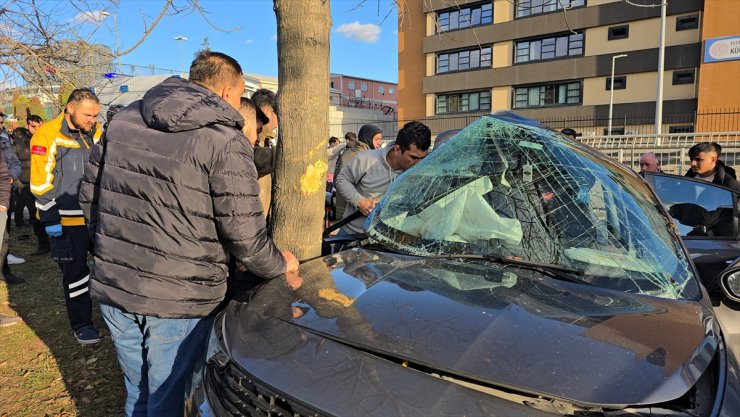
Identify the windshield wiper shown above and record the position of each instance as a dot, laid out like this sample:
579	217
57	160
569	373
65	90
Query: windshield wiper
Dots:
553	271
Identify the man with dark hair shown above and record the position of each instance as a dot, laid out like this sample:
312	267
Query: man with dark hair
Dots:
569	133
171	193
367	177
704	166
264	154
24	197
15	168
59	150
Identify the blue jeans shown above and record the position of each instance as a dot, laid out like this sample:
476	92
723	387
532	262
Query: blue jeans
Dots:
157	357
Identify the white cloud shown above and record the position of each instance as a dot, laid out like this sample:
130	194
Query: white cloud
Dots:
249	41
92	16
367	32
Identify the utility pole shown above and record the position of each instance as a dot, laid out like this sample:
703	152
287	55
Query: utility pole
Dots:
661	67
611	93
181	39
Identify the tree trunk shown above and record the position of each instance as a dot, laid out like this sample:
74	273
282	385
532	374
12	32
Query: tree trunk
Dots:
299	179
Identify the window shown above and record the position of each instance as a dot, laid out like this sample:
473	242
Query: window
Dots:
681	129
464	102
683	77
619	32
549	48
462	18
620	83
391	90
547	95
351	85
525	8
615	131
464	60
687	22
363	86
332	84
381	89
698	208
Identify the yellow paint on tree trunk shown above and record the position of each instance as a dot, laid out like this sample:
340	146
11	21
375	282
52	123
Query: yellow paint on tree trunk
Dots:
314	178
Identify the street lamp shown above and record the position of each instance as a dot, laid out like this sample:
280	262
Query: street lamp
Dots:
661	67
611	95
181	39
115	31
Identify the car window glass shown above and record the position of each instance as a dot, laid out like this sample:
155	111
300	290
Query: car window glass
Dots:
698	209
524	193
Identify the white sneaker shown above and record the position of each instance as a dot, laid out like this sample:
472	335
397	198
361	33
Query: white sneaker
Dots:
15	260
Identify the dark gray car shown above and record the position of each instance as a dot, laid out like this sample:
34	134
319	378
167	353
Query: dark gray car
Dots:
511	273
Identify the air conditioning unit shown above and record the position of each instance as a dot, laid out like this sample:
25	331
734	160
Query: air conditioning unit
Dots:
588	134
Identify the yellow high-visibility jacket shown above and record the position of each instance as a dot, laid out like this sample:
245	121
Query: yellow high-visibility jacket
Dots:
58	157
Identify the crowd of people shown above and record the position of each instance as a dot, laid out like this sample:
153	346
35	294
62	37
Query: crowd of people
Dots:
171	198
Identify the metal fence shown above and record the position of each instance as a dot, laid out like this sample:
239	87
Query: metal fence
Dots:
670	149
725	120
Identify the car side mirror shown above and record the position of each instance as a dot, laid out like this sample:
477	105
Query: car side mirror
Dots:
730	282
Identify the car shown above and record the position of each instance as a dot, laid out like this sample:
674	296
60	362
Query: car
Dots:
706	216
513	272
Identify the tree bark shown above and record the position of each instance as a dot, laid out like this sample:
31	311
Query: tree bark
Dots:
300	173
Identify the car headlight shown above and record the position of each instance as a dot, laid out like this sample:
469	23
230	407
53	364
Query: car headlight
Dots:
730	282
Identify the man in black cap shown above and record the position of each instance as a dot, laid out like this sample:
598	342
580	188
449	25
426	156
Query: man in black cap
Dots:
569	133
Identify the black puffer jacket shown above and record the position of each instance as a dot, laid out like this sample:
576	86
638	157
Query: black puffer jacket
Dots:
171	191
720	177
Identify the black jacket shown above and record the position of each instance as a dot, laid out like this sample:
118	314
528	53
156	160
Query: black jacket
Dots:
171	191
720	178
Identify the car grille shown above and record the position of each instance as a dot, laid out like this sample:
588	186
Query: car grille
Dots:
241	395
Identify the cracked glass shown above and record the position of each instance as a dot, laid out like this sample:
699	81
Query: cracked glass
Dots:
508	188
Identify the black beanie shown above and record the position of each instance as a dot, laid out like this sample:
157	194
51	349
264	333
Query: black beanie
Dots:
366	134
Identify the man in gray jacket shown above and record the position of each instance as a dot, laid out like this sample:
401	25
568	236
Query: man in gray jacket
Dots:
171	193
367	177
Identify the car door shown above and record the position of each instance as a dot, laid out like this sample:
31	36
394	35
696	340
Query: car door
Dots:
706	216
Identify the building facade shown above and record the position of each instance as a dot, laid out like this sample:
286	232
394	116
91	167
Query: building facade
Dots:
365	93
552	59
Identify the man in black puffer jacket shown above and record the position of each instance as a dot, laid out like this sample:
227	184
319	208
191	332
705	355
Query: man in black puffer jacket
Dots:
171	193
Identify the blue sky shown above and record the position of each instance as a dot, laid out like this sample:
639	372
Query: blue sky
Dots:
363	44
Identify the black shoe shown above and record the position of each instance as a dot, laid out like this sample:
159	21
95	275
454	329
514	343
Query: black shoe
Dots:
87	335
13	279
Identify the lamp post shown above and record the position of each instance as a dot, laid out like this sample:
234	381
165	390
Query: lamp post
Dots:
115	31
611	92
181	39
661	67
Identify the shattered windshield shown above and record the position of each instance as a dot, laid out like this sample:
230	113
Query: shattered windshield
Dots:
508	188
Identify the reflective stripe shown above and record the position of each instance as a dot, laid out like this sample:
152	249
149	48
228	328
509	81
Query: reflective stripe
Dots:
48	168
80	282
46	206
79	292
70	212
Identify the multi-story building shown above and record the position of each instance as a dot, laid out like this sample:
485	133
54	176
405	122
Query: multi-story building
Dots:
552	59
365	93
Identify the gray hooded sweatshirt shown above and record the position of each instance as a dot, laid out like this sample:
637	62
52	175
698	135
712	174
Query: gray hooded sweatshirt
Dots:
367	175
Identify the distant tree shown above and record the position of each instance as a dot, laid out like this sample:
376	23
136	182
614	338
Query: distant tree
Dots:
48	50
300	173
205	45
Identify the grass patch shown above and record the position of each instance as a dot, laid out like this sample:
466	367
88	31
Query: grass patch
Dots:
43	370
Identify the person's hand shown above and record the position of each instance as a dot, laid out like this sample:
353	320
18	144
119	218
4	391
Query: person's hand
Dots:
55	230
294	280
240	267
3	208
366	205
291	261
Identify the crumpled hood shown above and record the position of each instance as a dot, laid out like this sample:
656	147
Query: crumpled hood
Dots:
500	326
177	105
